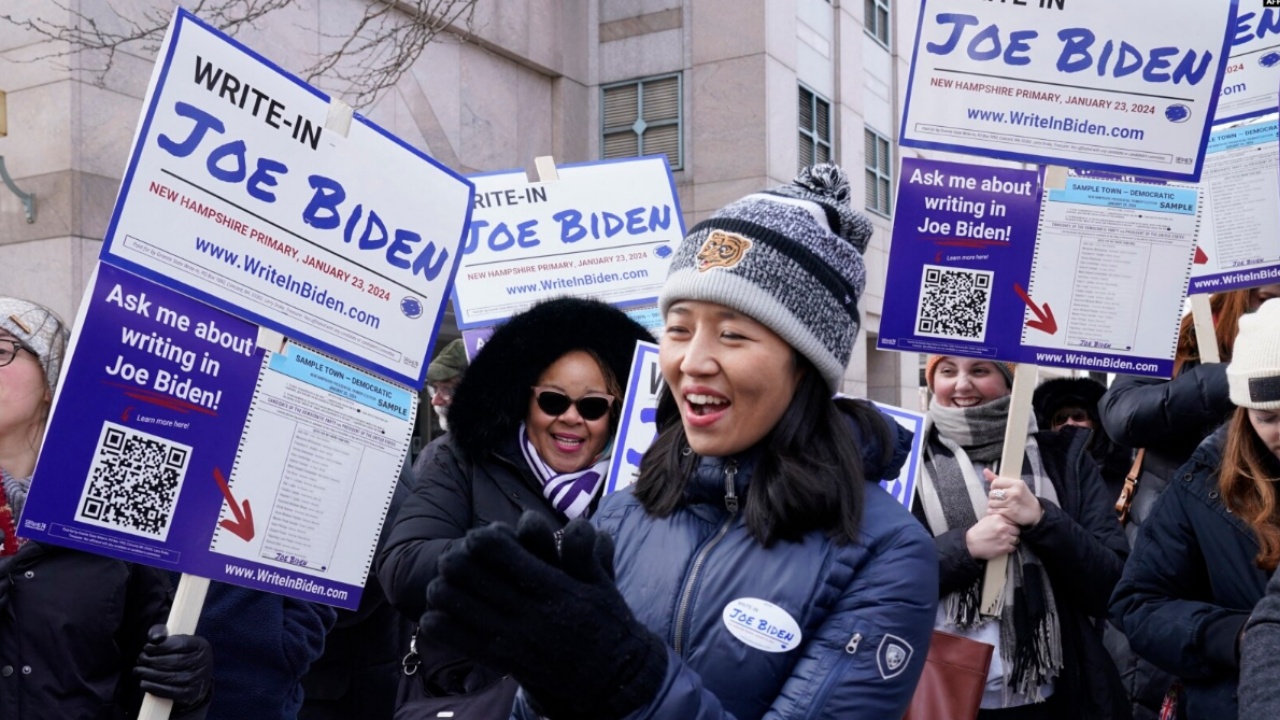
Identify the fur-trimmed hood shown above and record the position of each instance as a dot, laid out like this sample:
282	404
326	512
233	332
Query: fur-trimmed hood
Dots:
493	397
1052	395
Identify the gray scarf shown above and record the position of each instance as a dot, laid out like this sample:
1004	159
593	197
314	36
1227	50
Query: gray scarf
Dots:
953	494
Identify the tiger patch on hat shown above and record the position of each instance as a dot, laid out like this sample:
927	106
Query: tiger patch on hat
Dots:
722	250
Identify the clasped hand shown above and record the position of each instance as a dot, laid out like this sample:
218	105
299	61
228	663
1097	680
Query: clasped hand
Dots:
1010	507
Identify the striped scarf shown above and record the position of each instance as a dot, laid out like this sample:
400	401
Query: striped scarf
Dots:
953	494
13	496
571	493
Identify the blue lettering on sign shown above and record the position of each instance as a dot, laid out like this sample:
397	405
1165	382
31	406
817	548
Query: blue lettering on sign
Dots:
648	416
1244	33
606	224
229	163
774	631
1081	51
501	237
574	226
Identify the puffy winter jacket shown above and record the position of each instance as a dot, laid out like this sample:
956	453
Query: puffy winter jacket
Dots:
865	611
1167	417
1190	584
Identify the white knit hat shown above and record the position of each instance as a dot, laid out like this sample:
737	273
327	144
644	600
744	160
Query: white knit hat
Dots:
1254	373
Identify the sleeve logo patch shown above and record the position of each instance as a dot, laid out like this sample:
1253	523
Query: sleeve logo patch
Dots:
892	656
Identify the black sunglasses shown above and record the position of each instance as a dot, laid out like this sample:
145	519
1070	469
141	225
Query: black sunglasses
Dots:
556	403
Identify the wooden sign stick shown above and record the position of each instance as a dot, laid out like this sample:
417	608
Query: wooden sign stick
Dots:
1206	335
1015	443
184	615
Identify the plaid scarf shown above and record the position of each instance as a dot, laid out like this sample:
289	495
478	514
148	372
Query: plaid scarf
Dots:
13	496
954	495
571	493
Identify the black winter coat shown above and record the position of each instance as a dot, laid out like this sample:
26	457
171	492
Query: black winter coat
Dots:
1189	586
1083	549
452	496
71	627
1167	417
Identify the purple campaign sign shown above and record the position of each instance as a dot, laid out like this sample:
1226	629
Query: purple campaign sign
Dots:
475	339
964	240
146	430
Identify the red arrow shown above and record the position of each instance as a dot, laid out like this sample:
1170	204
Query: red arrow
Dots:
242	526
124	416
1201	257
1044	318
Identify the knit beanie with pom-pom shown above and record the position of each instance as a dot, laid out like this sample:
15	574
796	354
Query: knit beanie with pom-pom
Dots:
790	258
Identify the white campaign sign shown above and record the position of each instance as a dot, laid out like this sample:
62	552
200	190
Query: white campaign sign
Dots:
318	461
638	425
1249	88
903	487
1086	83
1240	239
238	194
603	230
1112	260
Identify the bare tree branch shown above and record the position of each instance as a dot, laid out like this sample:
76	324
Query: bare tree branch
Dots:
367	59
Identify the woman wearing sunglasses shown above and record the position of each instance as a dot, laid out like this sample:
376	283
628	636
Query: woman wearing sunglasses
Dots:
760	569
530	431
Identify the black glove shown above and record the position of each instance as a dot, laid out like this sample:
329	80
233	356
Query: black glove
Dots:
178	667
554	620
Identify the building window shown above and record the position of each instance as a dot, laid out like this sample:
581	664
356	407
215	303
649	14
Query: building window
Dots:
815	128
876	19
879	173
643	117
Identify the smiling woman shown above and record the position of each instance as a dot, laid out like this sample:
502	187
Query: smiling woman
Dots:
530	428
761	570
1051	516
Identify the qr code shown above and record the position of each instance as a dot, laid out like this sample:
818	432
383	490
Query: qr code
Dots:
134	482
954	303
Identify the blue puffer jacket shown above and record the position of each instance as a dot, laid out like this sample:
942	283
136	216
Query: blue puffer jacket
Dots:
865	611
1190	585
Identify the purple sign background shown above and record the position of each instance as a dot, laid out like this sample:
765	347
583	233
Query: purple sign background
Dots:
950	235
192	403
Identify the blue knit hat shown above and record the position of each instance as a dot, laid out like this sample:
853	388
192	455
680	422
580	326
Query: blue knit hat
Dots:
790	258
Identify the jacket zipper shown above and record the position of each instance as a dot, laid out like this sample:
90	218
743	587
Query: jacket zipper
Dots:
686	595
850	650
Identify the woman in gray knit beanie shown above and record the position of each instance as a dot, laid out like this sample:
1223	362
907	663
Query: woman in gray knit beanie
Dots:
75	623
761	570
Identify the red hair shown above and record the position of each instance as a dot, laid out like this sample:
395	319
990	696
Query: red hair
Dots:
1227	308
1247	487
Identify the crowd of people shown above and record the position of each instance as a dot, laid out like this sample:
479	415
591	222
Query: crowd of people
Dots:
755	569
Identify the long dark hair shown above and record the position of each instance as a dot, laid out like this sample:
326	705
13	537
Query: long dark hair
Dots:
809	475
